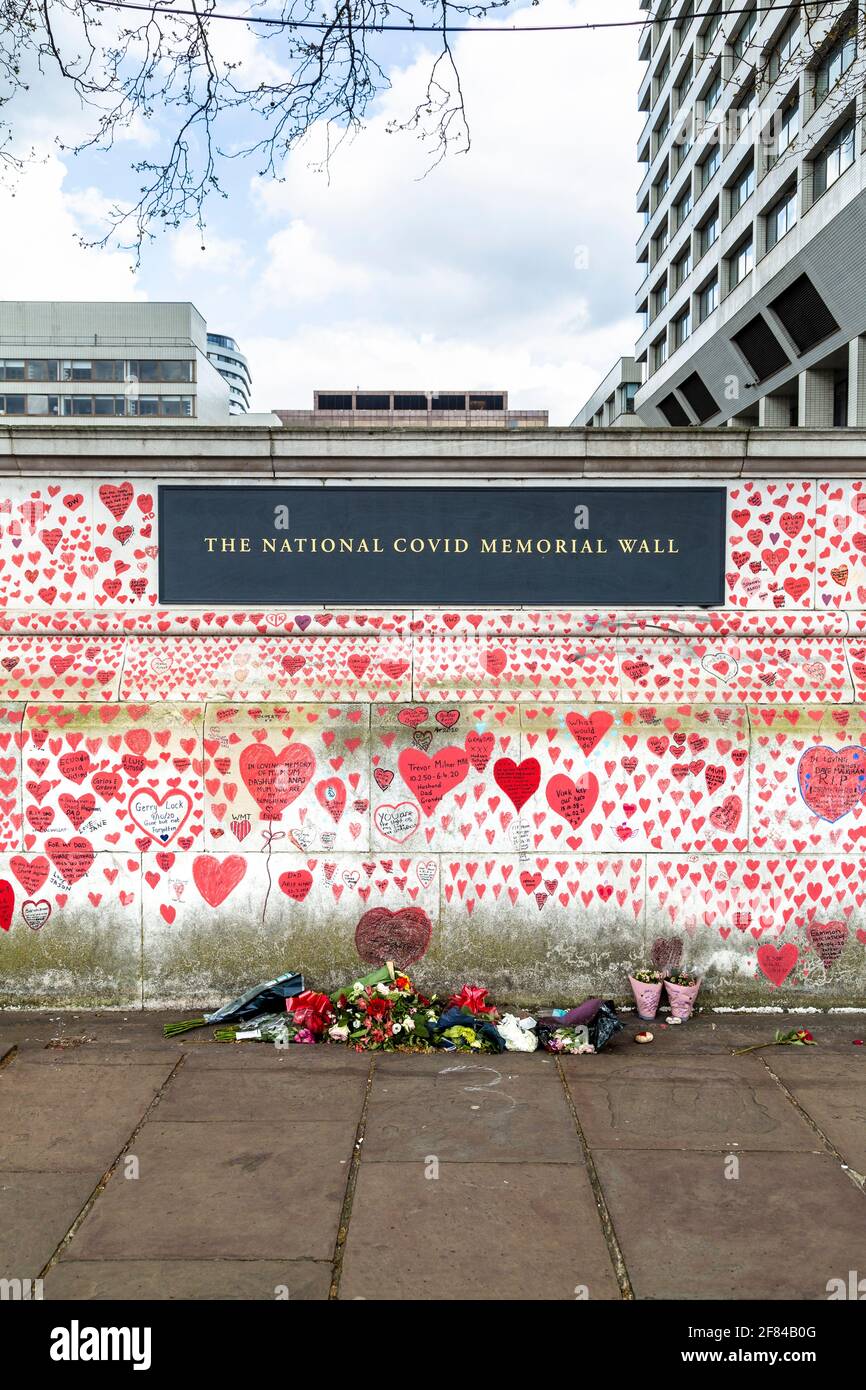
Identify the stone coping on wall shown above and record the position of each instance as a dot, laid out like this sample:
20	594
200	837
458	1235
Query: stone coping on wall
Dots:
250	452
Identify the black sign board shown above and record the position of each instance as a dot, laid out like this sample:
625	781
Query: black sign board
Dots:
629	547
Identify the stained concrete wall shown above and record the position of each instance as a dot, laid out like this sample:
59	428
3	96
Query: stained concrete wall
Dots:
193	800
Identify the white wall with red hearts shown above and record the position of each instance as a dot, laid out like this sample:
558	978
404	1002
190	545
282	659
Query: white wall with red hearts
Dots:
193	799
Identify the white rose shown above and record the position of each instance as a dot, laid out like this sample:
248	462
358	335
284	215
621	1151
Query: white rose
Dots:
395	1028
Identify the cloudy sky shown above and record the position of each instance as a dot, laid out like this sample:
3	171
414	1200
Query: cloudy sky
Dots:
508	267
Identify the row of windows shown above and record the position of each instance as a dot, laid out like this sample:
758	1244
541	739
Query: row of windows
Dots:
96	405
97	369
837	155
383	401
835	62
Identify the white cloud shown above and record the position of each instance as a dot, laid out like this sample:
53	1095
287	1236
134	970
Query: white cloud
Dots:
470	276
40	223
376	275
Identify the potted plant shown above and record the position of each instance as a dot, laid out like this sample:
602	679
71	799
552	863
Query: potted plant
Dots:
646	986
682	991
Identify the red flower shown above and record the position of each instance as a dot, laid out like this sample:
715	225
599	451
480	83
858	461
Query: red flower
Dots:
471	998
378	1008
311	1010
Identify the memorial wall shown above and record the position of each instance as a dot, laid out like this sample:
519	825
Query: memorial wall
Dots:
518	732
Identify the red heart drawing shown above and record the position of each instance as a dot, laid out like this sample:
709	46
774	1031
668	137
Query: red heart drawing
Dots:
296	883
519	781
7	904
828	939
216	878
331	794
159	817
71	858
572	800
727	816
402	936
777	962
588	732
430	777
832	783
274	780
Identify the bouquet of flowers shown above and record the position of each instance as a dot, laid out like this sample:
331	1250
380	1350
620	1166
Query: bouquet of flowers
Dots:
279	1029
570	1040
261	999
383	1015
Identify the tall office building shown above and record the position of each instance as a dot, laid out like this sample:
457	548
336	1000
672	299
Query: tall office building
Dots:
231	364
753	277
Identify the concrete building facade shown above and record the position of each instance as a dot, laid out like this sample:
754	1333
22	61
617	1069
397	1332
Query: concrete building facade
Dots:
233	366
388	409
532	796
611	405
752	289
107	363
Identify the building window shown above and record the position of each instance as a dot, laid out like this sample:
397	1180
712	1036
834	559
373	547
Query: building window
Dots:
710	166
12	369
785	49
660	352
743	36
836	62
714	91
683	207
660	187
683	268
709	231
12	405
781	217
789	127
660	297
712	26
745	109
684	80
165	370
660	244
682	327
836	156
742	261
708	300
743	187
631	390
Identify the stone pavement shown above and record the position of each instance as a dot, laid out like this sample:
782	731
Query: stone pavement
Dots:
137	1167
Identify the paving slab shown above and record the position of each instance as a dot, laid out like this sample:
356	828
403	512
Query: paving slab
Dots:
479	1231
268	1280
787	1225
71	1117
224	1191
36	1211
291	1095
689	1108
300	1058
839	1111
796	1063
504	1109
640	1064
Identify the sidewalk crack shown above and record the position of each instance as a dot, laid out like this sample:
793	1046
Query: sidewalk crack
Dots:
349	1196
611	1240
109	1172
